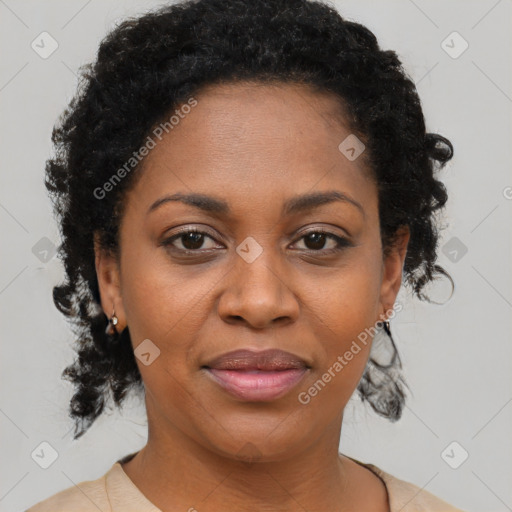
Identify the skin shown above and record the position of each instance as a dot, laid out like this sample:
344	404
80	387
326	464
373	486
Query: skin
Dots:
254	146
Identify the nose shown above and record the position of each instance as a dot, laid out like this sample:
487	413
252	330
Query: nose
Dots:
258	294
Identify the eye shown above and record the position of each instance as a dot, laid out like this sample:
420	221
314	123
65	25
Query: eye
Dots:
315	241
190	239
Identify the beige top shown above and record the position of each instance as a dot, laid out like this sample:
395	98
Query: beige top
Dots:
115	492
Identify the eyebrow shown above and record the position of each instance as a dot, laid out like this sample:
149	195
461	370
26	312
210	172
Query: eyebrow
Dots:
292	206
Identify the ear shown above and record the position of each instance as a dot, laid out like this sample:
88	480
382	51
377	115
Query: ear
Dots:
108	275
392	268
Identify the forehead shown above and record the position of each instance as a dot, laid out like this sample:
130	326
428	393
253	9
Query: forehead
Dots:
288	100
253	140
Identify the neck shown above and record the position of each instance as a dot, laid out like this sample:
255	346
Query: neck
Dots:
177	473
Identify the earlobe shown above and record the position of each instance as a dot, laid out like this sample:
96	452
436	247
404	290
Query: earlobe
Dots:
107	273
392	270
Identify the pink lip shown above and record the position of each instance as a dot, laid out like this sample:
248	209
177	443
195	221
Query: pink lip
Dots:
257	385
257	375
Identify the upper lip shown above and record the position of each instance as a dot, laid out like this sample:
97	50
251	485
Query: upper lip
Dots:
267	360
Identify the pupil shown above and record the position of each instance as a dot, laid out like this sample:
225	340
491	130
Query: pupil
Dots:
194	238
318	240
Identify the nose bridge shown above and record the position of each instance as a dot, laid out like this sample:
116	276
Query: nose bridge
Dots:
257	266
258	291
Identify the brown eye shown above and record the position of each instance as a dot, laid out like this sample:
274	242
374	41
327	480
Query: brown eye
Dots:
192	240
316	241
189	240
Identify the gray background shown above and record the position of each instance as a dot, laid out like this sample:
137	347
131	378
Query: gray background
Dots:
457	356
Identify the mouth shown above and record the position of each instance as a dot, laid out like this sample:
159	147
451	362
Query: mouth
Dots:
257	376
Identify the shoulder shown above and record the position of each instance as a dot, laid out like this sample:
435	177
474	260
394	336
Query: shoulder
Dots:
112	492
407	497
86	496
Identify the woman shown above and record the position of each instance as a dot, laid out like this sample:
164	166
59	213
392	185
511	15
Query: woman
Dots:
241	186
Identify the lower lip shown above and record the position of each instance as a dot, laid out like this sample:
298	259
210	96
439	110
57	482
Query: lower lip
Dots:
257	385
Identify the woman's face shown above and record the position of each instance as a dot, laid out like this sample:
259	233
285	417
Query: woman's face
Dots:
257	278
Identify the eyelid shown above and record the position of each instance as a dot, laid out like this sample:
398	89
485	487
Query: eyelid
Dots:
168	239
323	229
187	228
341	241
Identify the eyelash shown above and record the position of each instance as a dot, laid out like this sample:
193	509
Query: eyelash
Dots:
341	242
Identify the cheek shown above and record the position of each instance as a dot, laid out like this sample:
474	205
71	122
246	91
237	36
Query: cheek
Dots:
162	306
161	300
167	305
343	314
348	301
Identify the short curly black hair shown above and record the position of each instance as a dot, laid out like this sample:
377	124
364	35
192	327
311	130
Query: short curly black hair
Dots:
150	64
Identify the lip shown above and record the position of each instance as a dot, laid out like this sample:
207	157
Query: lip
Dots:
266	360
257	376
257	385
